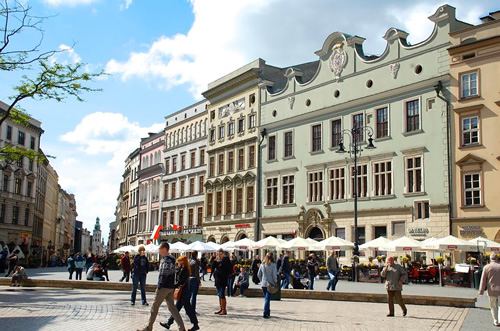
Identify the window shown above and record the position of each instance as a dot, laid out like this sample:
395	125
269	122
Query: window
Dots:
26	216
2	213
250	199
167	166
174	190
202	157
230	129
190	217
165	191
315	185
19	162
336	132
182	187
316	137
29	189
414	174
251	156
164	220
181	217
251	121
200	215
17	186
191	186
9	132
210	204
230	161
398	228
288	187
470	131
222	131
183	161
193	159
5	183
422	210
15	215
362	184
380	231
469	85
32	142
340	233
361	235
241	125
271	150
288	144
218	203
20	138
212	135
201	185
221	164
272	191
472	189
239	200
30	165
357	124
172	217
229	202
382	122
241	155
174	164
412	116
337	184
382	178
211	167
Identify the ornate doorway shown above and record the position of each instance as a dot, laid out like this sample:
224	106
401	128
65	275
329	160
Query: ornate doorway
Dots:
316	234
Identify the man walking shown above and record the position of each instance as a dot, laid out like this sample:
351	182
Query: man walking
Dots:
332	266
125	264
285	269
491	280
395	275
194	278
165	289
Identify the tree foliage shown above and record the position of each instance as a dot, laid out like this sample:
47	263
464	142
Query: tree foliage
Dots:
43	77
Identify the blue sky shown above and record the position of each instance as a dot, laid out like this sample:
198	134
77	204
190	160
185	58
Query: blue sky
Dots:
161	54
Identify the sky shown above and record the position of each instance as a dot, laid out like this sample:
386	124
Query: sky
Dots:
161	54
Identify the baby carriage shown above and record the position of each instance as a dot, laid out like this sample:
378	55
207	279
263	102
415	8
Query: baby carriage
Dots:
299	282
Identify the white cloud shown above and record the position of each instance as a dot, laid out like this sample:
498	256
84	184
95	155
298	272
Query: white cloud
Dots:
71	3
66	55
126	5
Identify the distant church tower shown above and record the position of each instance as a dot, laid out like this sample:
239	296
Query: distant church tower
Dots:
96	238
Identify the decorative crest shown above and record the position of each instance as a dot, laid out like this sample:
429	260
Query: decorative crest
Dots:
338	59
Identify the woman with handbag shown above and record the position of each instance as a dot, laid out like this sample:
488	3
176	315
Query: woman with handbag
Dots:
222	270
182	294
268	276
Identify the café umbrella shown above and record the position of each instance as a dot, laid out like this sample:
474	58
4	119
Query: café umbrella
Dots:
268	243
375	244
199	247
297	244
485	244
335	243
213	245
243	244
177	247
403	244
450	243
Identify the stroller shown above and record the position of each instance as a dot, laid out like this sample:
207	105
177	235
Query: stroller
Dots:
299	282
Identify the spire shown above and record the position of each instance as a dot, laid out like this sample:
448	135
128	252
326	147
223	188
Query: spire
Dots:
97	226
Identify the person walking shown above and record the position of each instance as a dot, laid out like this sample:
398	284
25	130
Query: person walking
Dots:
13	259
332	266
395	275
255	269
212	261
71	266
490	280
194	279
125	264
312	270
222	270
140	269
79	265
203	265
285	270
268	275
183	283
165	289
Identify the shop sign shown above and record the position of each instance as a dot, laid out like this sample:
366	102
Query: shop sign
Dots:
418	232
242	226
407	249
224	229
170	232
196	230
25	235
471	230
452	247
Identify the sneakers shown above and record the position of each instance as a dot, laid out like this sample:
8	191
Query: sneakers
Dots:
132	303
390	315
145	304
165	325
194	328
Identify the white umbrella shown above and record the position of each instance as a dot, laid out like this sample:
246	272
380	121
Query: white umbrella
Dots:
314	245
402	244
335	243
486	244
213	245
244	244
298	244
200	247
152	248
177	247
124	249
375	243
228	245
450	243
268	243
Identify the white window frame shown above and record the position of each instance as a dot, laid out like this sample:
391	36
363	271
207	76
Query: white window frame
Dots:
269	156
472	188
331	131
230	129
222	131
287	185
252	118
311	135
272	198
470	131
375	116
419	206
405	115
469	81
387	177
364	175
335	184
407	187
284	144
315	182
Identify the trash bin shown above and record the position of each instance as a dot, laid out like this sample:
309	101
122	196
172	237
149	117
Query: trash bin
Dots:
477	278
277	296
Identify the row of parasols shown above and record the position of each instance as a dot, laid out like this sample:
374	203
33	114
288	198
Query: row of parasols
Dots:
449	243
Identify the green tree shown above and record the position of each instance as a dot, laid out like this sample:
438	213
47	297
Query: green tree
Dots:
43	78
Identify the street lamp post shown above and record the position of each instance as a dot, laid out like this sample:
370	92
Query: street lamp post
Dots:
354	150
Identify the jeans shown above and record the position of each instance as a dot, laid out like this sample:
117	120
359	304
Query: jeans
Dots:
194	286
138	278
311	280
286	281
203	273
221	291
78	275
267	302
71	270
230	282
333	280
184	302
126	276
242	288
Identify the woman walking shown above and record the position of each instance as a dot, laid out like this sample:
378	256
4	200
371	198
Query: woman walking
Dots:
312	268
182	283
222	269
268	275
140	270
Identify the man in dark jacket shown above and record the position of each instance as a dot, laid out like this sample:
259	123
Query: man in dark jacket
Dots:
255	269
165	289
285	270
125	263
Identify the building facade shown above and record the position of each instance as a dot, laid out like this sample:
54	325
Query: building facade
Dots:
97	247
475	81
185	173
49	243
133	163
402	185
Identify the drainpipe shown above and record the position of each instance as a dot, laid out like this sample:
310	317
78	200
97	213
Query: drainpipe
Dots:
439	88
263	134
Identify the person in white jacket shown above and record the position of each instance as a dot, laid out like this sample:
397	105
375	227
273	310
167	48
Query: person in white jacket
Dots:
268	274
490	281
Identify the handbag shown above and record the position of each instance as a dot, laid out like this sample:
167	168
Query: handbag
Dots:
271	288
178	293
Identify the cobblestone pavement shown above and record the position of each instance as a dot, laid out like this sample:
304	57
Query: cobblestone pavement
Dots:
62	309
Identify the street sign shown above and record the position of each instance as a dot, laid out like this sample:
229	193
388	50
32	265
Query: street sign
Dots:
25	235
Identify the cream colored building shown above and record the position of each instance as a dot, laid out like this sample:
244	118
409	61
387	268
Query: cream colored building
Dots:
475	87
50	212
